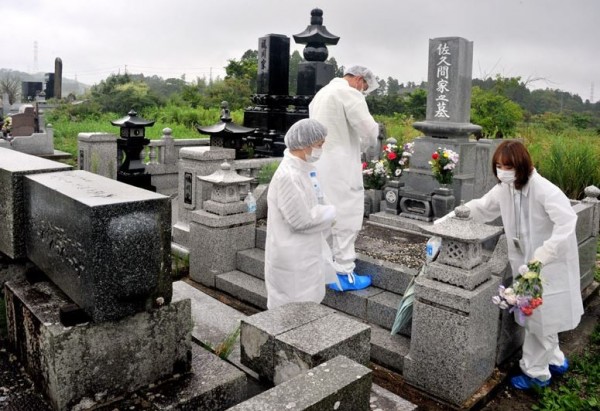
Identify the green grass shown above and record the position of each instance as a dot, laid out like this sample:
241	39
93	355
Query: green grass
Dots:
67	129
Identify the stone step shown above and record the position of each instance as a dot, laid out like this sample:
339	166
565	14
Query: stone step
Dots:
339	384
386	276
214	321
251	261
386	349
213	384
244	287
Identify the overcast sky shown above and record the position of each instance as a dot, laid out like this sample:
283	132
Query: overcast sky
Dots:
553	40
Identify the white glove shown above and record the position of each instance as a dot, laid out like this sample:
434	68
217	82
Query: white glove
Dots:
444	218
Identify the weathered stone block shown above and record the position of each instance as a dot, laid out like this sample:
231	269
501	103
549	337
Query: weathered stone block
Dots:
338	384
104	243
13	167
97	153
320	340
280	343
454	332
106	359
215	241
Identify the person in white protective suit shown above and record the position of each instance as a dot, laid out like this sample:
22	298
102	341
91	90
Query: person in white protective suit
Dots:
539	224
342	108
298	260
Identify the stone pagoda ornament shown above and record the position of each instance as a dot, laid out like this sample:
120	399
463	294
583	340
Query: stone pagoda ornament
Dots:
314	73
225	193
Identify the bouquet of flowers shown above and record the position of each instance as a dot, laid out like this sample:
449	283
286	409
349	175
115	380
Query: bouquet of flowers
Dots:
374	174
526	293
396	158
443	161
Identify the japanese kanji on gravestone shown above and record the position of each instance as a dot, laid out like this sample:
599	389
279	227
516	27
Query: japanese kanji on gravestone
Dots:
446	125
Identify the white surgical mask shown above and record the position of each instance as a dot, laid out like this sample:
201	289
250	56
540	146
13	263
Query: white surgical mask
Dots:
506	176
314	155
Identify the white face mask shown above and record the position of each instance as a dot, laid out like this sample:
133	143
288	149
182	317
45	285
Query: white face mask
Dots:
314	155
506	176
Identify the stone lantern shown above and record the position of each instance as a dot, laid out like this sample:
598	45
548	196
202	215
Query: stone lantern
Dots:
221	228
455	323
131	141
227	134
225	193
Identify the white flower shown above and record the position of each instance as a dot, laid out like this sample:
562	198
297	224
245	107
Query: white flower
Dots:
398	172
511	299
496	299
523	269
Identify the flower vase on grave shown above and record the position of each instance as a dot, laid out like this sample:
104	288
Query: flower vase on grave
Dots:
442	200
373	199
391	194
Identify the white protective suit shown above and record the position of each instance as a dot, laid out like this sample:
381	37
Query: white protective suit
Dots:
547	234
298	261
343	110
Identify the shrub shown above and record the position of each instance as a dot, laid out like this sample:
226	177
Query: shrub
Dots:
266	172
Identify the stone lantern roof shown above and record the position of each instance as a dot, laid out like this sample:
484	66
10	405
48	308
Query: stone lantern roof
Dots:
316	32
132	120
462	228
225	176
226	125
461	261
316	37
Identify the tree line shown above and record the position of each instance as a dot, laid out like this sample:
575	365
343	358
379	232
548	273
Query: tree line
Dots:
498	104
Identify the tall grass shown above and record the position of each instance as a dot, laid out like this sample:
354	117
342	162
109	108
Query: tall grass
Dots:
570	159
399	126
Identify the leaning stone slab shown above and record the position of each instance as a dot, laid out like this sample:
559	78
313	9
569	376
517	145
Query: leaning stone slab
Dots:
278	344
94	360
104	243
338	384
13	166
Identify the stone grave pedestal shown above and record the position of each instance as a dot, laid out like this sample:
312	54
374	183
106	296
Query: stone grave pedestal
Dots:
94	362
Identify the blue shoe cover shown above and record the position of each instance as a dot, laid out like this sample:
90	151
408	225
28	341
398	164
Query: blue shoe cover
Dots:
524	382
559	369
350	282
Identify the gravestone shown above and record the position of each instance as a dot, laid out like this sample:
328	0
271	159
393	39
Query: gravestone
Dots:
14	166
447	126
105	244
57	78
